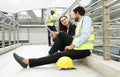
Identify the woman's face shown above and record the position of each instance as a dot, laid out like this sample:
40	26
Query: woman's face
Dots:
64	21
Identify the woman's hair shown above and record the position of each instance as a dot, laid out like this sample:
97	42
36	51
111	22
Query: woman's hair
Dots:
61	26
80	10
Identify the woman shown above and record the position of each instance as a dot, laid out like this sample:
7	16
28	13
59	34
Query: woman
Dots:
64	25
65	28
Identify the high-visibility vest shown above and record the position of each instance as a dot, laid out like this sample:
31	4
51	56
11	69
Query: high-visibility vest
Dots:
50	18
89	44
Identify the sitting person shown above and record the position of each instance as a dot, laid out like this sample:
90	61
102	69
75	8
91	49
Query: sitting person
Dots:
75	48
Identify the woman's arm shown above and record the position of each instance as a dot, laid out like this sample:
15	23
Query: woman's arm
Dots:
71	30
53	34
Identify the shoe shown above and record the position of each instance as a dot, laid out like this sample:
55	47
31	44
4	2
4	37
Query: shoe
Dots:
19	59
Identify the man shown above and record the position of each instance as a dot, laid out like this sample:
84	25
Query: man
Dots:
75	48
50	24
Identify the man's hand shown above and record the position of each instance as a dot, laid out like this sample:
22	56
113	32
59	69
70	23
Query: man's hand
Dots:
70	47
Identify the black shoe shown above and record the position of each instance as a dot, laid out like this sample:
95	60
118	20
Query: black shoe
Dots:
19	60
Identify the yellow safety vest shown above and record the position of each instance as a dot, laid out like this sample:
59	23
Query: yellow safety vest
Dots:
89	44
50	23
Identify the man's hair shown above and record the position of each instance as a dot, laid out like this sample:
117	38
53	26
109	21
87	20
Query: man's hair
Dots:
80	10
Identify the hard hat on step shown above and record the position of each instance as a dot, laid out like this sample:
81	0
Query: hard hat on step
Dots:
65	63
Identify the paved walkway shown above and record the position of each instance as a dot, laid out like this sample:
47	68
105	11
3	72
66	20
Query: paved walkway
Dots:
10	68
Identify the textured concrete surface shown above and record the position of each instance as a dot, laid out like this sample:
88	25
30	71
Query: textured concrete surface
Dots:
10	68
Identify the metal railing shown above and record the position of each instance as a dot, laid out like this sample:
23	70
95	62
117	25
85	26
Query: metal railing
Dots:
9	31
71	7
105	15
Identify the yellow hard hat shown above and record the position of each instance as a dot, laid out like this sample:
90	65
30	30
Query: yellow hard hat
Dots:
65	63
53	9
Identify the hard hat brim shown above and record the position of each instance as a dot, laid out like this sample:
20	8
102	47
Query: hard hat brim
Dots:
65	68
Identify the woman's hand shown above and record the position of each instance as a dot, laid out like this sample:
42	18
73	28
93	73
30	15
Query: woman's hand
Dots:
70	47
53	34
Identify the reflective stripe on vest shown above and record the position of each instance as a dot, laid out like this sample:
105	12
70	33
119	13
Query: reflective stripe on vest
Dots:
88	45
50	18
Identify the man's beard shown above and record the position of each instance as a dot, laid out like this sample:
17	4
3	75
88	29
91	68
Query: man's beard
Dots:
76	19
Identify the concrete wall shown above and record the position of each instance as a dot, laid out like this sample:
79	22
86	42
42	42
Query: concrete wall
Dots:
35	35
108	68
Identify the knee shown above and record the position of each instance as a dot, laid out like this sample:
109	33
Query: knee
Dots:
89	53
61	34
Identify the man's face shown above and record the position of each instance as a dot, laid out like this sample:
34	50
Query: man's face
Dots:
75	16
52	12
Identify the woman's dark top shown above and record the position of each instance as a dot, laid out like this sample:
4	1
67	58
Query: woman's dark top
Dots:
71	30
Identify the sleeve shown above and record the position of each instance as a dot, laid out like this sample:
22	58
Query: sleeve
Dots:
86	31
72	30
47	19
